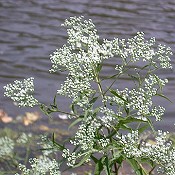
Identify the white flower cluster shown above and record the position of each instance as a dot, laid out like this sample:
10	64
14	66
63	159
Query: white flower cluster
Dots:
85	136
141	99
70	157
80	58
81	32
123	93
108	117
21	92
163	54
24	138
83	52
161	152
137	48
152	82
130	144
157	112
103	142
41	166
7	147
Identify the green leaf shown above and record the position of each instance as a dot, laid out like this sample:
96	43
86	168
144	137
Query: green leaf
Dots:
99	67
119	159
106	161
117	95
44	109
148	161
131	119
75	122
122	124
83	160
151	125
98	165
138	170
110	77
143	128
144	67
161	95
125	127
93	100
54	100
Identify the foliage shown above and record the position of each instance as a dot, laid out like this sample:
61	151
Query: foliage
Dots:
111	121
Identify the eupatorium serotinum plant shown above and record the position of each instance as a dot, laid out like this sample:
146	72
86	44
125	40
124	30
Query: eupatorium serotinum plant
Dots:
110	121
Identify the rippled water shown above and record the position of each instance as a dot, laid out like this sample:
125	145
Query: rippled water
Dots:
30	31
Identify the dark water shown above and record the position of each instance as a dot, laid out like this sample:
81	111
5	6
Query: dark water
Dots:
30	31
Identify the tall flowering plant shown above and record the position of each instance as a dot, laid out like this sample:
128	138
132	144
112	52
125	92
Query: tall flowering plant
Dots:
105	115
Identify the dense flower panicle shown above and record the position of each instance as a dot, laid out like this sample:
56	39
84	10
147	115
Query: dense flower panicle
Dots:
80	32
163	54
108	117
161	152
130	144
41	166
80	57
139	101
85	136
21	92
153	83
7	147
83	52
139	48
71	157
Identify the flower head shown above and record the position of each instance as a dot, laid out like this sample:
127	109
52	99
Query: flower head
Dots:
22	92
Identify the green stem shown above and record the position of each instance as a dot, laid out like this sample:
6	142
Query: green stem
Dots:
117	76
112	152
27	154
